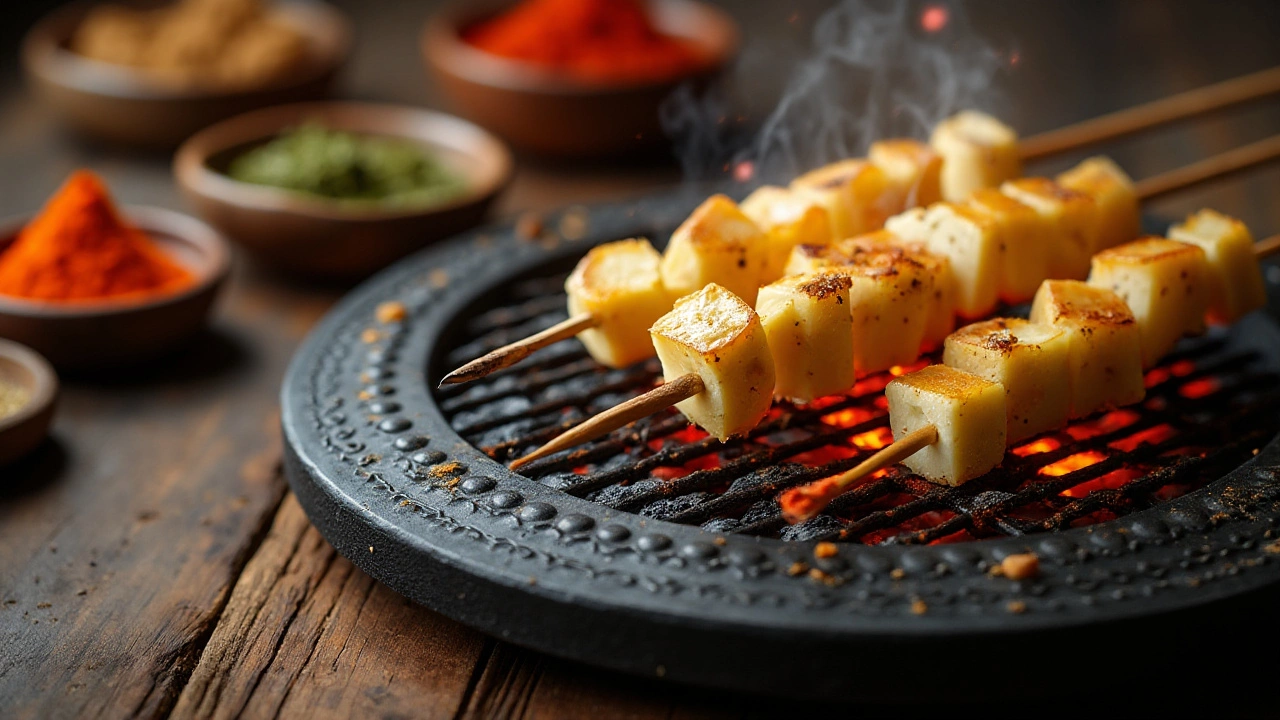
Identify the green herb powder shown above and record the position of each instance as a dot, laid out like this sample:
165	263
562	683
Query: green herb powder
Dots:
348	167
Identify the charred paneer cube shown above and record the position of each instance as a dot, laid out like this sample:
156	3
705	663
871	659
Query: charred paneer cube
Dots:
1165	283
967	411
718	244
1119	218
618	283
1236	286
855	194
1070	217
787	219
809	329
717	336
971	244
912	169
1032	362
1025	237
977	151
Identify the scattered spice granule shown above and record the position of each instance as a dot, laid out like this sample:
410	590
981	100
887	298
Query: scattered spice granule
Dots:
438	278
442	471
44	605
797	568
825	550
897	573
529	226
364	395
1272	548
370	336
371	549
391	312
1017	607
824	578
720	541
1021	567
919	607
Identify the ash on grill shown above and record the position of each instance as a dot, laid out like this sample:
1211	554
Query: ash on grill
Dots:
1207	410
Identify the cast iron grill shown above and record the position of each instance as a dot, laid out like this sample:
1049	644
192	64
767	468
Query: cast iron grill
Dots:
1207	410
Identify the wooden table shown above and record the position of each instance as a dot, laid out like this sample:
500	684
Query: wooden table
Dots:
153	563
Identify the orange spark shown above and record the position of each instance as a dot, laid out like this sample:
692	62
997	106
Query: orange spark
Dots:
1071	463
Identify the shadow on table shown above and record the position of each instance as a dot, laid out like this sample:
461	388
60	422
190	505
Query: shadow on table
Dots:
35	473
211	354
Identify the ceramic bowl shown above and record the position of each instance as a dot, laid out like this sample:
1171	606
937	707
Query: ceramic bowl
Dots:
23	431
90	336
121	106
548	114
317	238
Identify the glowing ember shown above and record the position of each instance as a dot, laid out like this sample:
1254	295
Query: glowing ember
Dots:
800	504
1110	481
848	418
873	440
1156	376
1157	434
1071	463
744	171
1043	445
934	18
582	470
1110	422
1182	368
1199	388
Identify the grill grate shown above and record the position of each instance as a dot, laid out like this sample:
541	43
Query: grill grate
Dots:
1208	408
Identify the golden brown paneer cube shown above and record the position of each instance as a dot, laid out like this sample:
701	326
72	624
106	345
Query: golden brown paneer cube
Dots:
809	328
1071	217
977	151
889	300
717	336
787	219
618	283
969	240
942	303
913	171
967	411
1106	347
1165	283
719	244
1119	218
1031	360
1236	287
855	194
1024	239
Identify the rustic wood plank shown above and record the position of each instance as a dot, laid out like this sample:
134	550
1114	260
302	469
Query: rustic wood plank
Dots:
121	538
306	633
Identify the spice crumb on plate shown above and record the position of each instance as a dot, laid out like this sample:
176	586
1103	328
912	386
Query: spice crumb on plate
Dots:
391	312
1021	566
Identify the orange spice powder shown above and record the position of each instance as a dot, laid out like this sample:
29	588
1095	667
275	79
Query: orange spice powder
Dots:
78	248
600	40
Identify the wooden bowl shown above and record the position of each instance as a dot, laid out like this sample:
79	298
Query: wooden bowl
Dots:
316	238
87	336
549	114
23	431
123	106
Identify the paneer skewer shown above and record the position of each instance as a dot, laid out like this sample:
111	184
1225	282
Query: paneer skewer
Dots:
1104	354
991	235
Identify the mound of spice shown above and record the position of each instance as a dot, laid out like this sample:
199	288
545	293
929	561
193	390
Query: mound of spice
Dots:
13	397
597	40
227	44
349	167
79	249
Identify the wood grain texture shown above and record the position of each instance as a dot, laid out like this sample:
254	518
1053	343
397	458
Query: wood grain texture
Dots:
306	633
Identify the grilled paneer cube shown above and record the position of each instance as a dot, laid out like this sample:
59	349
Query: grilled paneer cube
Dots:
853	192
1105	346
977	151
889	300
809	329
716	244
913	171
968	413
1071	217
619	284
717	336
787	219
969	240
1024	239
1165	283
941	318
1031	360
1236	287
1119	219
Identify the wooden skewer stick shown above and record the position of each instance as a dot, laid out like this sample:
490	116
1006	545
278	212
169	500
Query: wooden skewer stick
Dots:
1210	168
659	398
1159	112
508	355
805	502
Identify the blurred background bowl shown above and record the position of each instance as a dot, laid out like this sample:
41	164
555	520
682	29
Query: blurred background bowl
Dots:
318	238
104	334
545	113
123	106
22	431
